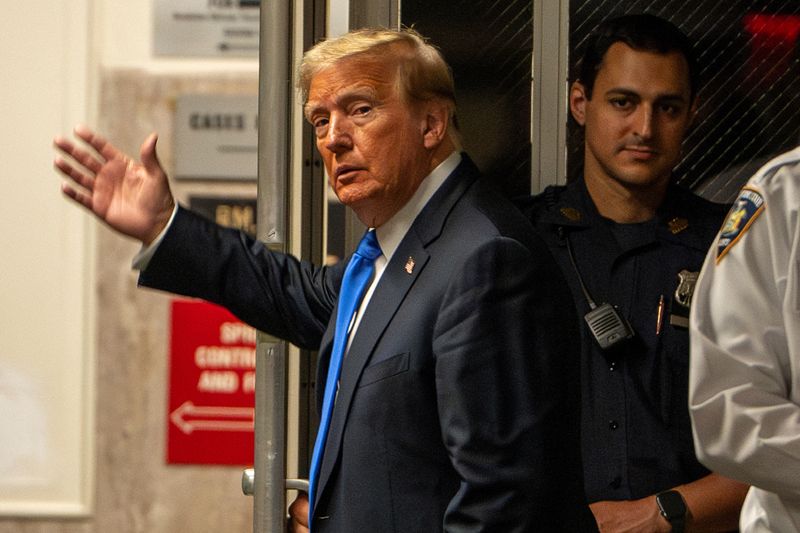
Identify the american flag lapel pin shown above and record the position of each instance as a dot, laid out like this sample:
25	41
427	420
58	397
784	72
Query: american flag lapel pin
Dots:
410	265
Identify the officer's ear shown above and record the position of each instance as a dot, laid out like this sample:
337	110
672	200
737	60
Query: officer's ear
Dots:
577	102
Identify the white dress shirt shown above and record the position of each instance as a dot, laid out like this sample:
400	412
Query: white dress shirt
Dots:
391	233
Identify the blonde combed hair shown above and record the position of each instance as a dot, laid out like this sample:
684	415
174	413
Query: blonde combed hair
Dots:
423	73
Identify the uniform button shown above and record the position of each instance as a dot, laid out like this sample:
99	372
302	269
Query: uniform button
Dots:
612	366
612	424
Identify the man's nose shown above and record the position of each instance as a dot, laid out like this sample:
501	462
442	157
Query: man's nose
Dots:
643	125
339	136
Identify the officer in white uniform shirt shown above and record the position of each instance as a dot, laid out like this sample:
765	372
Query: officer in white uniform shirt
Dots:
744	391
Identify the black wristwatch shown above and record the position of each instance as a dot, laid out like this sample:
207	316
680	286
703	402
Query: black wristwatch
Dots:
673	508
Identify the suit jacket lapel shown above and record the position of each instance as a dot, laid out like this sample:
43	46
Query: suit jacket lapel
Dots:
386	300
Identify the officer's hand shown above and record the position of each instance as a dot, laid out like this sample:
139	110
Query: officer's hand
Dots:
630	516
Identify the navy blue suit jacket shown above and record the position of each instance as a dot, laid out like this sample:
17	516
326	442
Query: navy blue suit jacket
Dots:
458	400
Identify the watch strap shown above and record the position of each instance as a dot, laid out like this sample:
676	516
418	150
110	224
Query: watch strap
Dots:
673	509
678	524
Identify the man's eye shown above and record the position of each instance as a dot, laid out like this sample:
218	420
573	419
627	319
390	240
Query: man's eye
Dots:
621	103
669	109
362	110
319	122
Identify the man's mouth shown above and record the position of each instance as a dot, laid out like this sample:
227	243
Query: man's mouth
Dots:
345	172
640	152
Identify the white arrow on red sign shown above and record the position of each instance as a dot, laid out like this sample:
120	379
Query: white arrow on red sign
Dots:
189	417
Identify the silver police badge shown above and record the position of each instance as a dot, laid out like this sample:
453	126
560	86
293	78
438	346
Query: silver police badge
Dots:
685	290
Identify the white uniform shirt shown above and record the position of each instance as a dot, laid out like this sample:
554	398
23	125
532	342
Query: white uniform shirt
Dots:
744	391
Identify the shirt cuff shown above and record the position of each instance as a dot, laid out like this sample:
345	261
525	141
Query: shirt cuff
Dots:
142	259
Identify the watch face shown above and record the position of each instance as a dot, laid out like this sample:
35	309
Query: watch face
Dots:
671	504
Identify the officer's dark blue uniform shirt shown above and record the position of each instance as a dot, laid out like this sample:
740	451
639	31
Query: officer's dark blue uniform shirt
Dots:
636	433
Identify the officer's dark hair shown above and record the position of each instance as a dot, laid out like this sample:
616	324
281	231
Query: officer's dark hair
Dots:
641	32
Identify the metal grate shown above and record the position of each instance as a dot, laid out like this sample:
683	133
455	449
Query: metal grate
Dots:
488	44
749	55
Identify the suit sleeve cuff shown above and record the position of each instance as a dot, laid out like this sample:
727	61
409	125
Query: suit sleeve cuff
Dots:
142	259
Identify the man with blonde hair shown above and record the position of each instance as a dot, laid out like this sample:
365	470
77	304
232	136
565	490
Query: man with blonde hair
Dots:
447	383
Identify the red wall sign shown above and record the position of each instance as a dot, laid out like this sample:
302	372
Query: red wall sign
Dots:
211	386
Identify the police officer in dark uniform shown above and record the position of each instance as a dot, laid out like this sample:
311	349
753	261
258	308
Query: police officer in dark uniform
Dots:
631	244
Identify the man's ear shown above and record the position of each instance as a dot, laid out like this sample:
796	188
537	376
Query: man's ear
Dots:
577	102
693	111
436	122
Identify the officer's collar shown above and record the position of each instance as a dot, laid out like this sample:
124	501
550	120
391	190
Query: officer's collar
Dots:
571	207
679	218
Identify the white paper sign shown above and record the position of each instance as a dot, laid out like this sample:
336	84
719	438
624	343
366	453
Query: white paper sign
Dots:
208	28
216	137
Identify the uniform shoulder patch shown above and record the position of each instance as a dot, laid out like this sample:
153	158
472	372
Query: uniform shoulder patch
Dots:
746	209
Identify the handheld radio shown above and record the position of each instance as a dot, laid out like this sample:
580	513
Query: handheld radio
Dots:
608	327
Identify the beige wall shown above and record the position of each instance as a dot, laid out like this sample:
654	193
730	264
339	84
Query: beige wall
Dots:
46	324
136	490
94	345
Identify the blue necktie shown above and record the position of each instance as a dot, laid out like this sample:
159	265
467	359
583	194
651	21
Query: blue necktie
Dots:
356	278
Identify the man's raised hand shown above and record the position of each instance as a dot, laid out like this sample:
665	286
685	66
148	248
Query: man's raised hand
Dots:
132	197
